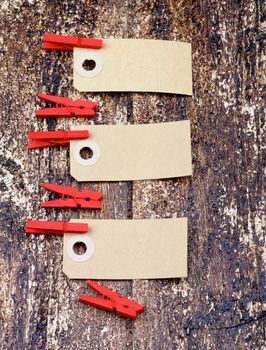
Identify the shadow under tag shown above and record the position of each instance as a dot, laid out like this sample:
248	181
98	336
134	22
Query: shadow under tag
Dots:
128	249
135	65
132	152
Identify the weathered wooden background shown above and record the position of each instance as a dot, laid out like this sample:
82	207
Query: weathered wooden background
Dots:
221	305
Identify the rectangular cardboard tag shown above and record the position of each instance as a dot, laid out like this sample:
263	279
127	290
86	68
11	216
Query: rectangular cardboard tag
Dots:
128	249
135	65
133	152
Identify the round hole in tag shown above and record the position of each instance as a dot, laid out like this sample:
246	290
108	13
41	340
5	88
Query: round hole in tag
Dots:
87	251
88	64
86	152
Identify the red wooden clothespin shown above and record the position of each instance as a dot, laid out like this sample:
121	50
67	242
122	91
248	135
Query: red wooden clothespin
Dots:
67	43
65	107
54	227
111	301
40	139
72	197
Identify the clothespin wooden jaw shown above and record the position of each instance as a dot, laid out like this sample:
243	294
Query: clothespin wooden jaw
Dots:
66	107
40	139
72	198
67	43
111	301
54	227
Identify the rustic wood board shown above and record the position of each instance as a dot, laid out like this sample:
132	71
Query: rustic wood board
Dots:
221	305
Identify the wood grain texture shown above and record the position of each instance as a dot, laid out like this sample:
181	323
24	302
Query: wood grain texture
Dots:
221	305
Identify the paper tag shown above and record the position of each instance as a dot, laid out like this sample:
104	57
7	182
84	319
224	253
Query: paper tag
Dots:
128	249
133	152
135	65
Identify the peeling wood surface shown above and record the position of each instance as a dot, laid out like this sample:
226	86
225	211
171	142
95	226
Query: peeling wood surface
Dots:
221	305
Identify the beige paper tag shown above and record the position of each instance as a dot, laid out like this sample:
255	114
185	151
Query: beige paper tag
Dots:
135	65
128	249
133	152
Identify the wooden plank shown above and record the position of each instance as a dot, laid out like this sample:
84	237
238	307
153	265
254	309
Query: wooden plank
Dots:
215	307
222	303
